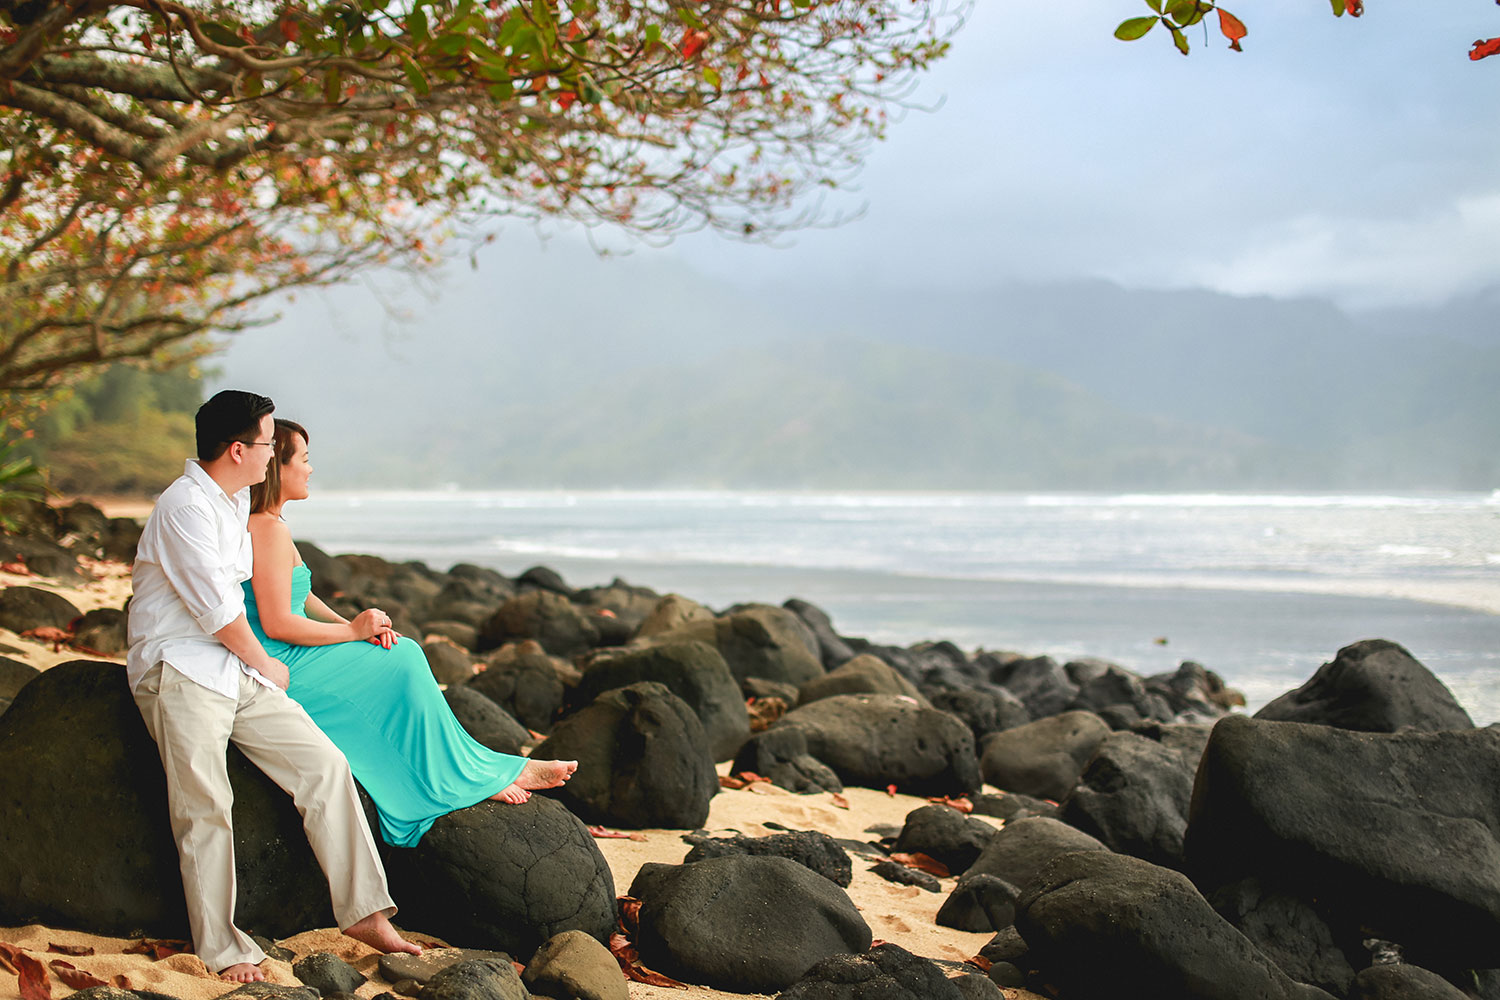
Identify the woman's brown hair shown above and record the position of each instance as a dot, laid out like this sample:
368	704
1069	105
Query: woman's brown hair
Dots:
268	491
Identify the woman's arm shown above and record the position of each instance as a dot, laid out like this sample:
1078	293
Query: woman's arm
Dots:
272	582
318	611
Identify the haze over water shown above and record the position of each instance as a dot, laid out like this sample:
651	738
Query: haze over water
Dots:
1261	588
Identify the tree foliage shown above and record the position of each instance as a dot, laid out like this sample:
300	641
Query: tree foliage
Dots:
1176	16
166	165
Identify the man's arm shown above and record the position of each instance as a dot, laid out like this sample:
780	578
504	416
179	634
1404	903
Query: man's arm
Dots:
238	638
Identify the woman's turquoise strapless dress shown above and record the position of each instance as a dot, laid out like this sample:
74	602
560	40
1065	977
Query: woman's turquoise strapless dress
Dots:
383	709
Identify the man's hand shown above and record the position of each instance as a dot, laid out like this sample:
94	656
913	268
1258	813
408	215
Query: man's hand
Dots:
276	672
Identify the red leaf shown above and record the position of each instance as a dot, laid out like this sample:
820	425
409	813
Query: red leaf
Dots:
890	790
840	801
158	949
574	30
290	29
1354	7
70	949
921	862
5	957
565	99
1232	28
979	962
692	42
1484	48
74	977
605	834
630	913
34	984
961	803
630	964
18	568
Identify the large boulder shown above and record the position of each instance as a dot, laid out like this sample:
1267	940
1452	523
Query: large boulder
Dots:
23	608
875	740
643	760
1292	933
1374	686
864	674
832	648
1020	850
887	972
812	849
626	604
669	613
14	675
1043	686
574	966
486	721
524	683
1398	833
1105	924
985	710
781	754
85	837
1135	792
330	577
743	924
1044	758
548	617
693	671
758	641
504	877
1116	687
1402	982
945	834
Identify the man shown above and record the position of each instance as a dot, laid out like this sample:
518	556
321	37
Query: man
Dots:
201	680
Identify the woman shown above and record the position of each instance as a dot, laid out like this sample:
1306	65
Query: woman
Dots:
365	685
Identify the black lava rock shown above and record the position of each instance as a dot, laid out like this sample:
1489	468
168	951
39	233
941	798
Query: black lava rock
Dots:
1374	686
1043	758
945	834
23	608
979	903
887	972
327	973
815	851
895	871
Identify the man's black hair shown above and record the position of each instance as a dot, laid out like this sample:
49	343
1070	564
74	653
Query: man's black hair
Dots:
231	415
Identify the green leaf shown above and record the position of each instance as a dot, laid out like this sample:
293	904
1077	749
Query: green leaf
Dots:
414	75
1130	30
802	3
712	78
1181	11
1338	7
453	44
1180	40
502	91
653	34
1154	5
222	34
1196	14
333	83
690	19
416	25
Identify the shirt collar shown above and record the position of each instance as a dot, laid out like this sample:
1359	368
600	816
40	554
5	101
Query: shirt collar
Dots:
195	471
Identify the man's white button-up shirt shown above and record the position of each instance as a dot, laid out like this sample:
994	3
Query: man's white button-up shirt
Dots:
193	555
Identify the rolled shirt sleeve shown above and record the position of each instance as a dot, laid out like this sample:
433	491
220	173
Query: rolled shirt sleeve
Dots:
192	559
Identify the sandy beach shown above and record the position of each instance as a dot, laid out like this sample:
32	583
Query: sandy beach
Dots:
900	914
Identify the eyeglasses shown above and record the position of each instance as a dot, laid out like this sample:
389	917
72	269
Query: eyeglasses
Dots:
252	444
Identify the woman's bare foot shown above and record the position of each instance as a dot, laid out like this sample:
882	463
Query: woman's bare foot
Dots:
546	773
244	972
377	932
512	793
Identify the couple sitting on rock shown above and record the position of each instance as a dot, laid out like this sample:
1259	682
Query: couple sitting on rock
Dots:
227	643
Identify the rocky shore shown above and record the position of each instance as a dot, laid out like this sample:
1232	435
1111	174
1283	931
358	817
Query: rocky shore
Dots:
767	807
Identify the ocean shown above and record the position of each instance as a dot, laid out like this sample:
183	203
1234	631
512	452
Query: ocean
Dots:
1260	588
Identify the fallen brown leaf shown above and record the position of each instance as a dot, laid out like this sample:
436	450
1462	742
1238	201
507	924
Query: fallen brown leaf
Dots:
49	633
840	801
72	976
979	962
630	964
922	862
730	782
18	568
70	949
603	833
33	984
630	913
121	981
158	949
962	803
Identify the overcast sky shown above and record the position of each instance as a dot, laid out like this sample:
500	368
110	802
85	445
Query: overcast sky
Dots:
1353	159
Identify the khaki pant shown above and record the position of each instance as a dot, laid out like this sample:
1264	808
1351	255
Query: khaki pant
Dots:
193	727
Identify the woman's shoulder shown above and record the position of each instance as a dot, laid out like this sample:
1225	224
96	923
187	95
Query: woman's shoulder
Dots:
268	527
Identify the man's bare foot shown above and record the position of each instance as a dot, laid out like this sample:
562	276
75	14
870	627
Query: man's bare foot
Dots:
377	932
512	793
244	972
546	773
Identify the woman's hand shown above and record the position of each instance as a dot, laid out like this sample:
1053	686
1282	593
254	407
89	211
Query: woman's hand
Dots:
385	638
368	624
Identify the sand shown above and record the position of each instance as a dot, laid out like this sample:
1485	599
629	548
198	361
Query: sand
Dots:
903	915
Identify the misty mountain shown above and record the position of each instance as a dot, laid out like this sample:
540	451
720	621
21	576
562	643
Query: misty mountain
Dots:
557	368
